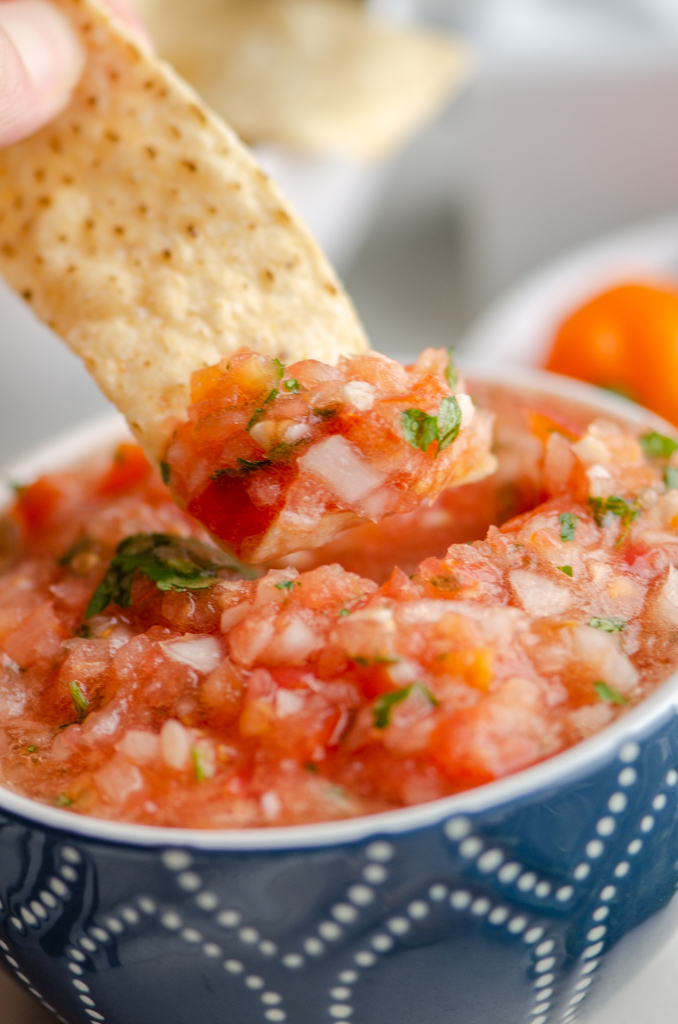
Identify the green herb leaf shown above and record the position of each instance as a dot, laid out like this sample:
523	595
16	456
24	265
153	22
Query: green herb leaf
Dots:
567	569
344	612
449	422
658	446
382	707
608	625
292	385
282	451
165	472
258	413
568	525
203	768
32	749
609	694
243	468
624	510
286	585
172	563
63	800
451	375
310	767
671	478
419	428
80	701
77	549
328	413
280	367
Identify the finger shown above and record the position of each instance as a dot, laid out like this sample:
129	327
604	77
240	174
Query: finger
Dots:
40	63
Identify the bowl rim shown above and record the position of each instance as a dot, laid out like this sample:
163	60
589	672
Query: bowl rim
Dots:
86	438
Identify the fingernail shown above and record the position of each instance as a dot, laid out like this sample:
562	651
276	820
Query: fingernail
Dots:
45	42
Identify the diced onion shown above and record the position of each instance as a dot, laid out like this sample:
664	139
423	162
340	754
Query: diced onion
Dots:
342	467
360	394
175	744
468	410
539	595
296	642
202	653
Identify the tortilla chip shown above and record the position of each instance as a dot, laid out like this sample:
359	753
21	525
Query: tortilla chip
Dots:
144	233
319	76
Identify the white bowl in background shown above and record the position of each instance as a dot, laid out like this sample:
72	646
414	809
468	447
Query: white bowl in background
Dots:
519	326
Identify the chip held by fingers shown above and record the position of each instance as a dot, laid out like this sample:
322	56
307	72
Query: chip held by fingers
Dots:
145	234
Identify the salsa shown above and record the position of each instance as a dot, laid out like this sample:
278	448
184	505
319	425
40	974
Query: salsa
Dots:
274	458
146	676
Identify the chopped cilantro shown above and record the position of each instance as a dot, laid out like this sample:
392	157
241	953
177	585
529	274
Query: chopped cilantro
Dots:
172	563
449	421
376	659
568	525
292	385
609	694
63	800
32	749
326	414
567	569
258	413
658	446
286	585
203	768
344	611
280	367
451	375
284	449
243	468
624	510
421	430
671	478
165	472
76	549
608	625
382	707
310	767
80	701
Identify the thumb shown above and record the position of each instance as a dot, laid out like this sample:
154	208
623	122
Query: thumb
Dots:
40	63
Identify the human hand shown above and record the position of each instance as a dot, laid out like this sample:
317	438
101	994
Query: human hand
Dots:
41	62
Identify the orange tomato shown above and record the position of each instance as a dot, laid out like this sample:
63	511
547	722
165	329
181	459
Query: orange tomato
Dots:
625	339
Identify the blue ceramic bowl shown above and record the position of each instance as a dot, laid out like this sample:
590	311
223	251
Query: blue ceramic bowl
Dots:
525	900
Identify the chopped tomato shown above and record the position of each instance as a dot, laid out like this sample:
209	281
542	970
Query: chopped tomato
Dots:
130	468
